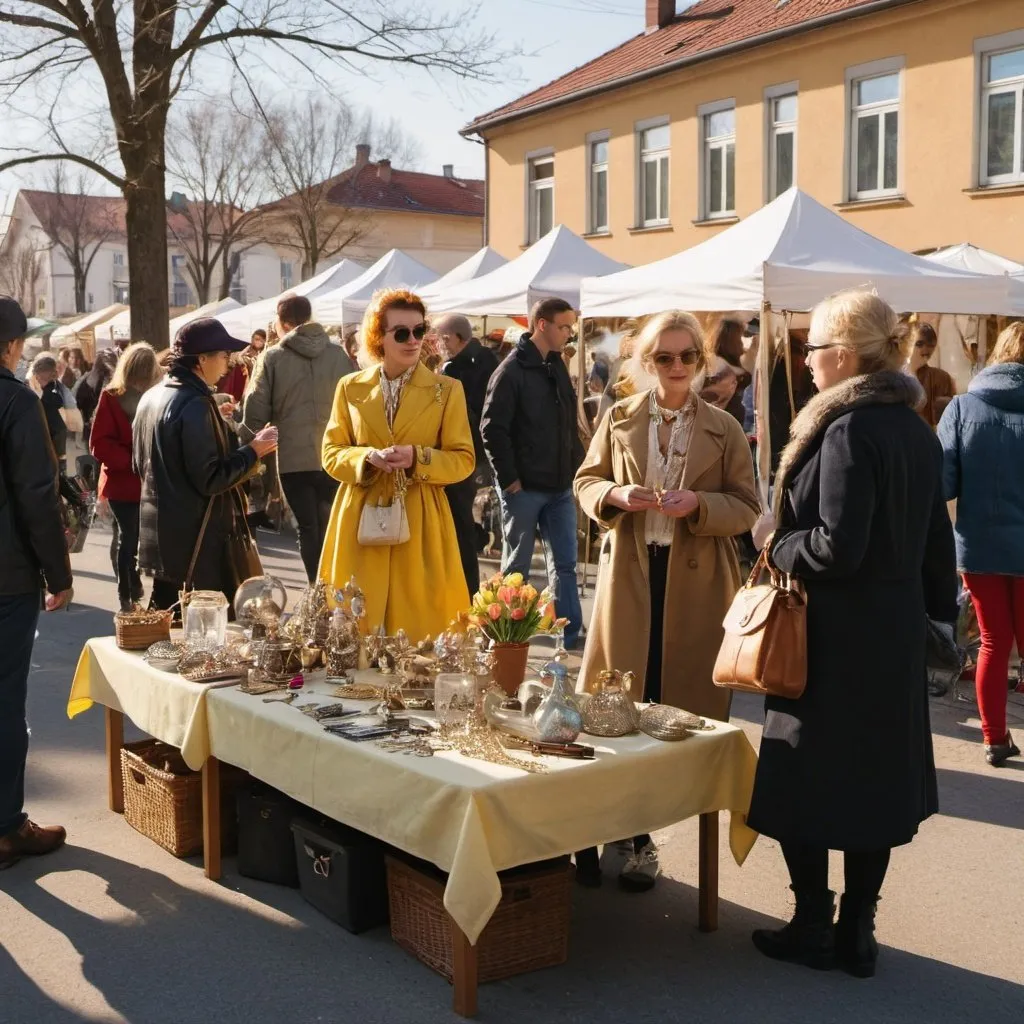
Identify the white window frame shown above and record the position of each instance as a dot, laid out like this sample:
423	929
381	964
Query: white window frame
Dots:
855	75
984	48
593	169
530	234
290	283
120	293
118	258
704	111
650	156
775	128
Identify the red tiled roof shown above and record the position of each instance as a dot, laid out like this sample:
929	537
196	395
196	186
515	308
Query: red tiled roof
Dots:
408	192
697	33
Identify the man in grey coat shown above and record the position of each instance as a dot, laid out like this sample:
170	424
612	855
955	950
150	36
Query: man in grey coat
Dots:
293	387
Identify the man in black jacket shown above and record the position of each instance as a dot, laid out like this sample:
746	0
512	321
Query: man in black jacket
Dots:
33	555
473	365
530	435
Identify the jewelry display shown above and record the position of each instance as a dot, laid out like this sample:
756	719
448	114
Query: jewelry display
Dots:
165	654
408	743
256	685
357	691
320	712
201	665
609	711
482	742
259	603
279	660
343	647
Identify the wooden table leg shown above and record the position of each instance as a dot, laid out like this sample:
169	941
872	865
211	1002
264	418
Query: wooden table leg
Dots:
708	872
114	723
211	818
464	965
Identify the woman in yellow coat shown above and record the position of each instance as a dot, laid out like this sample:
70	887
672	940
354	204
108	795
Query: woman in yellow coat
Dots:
394	418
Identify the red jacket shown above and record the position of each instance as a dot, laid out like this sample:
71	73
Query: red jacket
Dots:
233	382
111	445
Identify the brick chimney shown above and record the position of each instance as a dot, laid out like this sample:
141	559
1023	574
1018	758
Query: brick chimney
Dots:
659	14
362	154
384	170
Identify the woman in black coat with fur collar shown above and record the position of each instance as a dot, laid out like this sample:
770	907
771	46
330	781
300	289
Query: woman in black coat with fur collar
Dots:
862	522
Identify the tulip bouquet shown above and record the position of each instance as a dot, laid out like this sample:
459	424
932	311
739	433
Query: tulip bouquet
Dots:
510	611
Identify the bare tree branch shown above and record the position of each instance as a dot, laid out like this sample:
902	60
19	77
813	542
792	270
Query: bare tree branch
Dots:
74	158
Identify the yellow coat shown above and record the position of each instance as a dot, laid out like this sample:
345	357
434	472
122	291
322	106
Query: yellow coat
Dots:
417	586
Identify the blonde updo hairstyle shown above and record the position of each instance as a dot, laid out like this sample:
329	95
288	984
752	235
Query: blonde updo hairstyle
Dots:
1009	345
864	325
646	339
375	321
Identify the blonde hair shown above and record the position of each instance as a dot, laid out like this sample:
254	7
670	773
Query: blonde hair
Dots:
865	325
646	339
138	368
375	321
1010	344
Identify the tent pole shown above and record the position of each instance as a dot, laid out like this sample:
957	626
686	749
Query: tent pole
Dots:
762	384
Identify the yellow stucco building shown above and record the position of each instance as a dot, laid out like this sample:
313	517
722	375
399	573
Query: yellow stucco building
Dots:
906	116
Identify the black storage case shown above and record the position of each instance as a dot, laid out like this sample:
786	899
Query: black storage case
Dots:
341	873
266	847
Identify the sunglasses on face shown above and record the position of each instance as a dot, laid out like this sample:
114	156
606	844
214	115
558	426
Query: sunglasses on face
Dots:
686	358
403	334
822	348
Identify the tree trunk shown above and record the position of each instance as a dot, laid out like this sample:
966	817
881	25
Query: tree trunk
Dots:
146	217
79	276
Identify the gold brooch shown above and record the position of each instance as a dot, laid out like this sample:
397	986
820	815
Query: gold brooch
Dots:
438	393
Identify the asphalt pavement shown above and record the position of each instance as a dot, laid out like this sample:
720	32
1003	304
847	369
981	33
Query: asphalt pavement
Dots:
113	929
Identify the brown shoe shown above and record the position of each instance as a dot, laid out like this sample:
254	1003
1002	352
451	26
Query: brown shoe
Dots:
31	840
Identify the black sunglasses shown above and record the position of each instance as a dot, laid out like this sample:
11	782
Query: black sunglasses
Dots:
403	334
687	357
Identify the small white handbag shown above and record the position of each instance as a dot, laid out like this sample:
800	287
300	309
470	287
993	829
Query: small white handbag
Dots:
386	525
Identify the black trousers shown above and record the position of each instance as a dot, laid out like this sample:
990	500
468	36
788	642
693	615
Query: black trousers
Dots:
864	872
310	495
460	500
126	559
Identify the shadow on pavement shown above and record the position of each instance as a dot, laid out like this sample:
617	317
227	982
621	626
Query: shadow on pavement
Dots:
996	800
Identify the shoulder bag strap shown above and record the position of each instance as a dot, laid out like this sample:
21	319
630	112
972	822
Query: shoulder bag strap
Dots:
199	543
235	490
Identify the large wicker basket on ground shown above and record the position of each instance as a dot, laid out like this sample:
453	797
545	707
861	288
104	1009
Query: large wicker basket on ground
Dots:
529	929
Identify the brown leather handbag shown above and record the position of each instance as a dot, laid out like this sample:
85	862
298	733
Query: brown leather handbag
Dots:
765	646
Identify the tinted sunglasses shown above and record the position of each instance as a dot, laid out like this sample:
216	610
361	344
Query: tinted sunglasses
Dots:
687	357
403	334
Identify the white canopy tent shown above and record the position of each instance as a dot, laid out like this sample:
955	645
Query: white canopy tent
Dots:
243	321
791	254
979	261
84	325
119	327
553	267
482	262
395	269
211	309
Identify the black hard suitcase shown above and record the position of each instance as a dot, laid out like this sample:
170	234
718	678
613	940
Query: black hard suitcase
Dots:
341	873
266	847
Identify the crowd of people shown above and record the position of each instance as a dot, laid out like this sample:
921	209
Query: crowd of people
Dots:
380	453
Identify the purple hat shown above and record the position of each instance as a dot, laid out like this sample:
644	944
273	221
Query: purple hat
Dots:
205	335
12	319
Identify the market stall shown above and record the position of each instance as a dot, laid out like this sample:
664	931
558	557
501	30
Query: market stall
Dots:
482	262
119	327
83	330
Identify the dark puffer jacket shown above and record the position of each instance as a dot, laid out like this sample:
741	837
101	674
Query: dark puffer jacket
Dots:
178	457
32	544
529	421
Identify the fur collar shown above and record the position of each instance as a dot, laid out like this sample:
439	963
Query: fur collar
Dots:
888	387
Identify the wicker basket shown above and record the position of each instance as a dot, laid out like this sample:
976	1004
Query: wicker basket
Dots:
163	798
137	632
529	929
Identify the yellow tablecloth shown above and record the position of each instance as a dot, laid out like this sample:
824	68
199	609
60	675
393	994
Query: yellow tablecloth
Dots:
472	818
160	703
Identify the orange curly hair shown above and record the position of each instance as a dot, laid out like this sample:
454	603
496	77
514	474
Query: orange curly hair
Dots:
371	333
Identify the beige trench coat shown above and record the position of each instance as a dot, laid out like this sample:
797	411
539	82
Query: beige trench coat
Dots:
703	573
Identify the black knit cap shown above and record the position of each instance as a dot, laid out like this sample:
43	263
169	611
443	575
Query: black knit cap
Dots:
13	323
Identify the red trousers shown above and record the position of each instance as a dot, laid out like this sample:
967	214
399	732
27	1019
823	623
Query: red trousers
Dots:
999	603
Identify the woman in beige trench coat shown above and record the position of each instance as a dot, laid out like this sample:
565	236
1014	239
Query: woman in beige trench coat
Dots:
672	480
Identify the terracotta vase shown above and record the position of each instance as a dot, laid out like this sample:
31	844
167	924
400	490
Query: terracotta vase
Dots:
510	666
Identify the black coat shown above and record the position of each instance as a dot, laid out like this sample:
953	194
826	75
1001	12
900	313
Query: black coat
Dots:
849	765
529	421
32	544
473	367
178	457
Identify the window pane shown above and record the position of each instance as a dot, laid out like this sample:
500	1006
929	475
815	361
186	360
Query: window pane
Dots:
715	181
878	90
730	177
1002	115
785	109
1006	65
542	170
600	153
783	162
655	138
663	188
545	211
600	196
867	153
650	190
891	165
720	124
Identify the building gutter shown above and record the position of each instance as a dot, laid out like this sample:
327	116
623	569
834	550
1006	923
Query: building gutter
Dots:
689	60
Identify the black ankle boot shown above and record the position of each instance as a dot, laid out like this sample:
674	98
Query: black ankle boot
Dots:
808	939
856	948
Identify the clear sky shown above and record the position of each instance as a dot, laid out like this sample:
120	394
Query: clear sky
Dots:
554	36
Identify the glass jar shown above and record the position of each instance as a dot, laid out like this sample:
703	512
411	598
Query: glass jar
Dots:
206	619
454	697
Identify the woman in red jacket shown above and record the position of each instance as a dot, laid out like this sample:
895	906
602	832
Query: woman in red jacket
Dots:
111	445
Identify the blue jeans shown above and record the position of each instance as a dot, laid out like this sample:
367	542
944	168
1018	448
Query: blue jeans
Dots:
554	514
18	617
